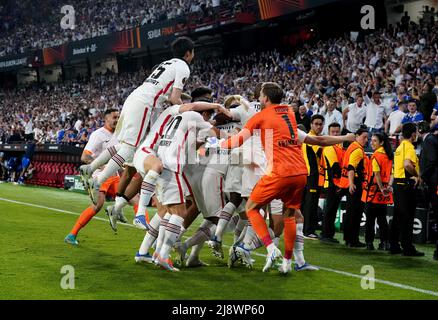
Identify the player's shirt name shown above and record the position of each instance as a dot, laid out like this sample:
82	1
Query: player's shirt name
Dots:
152	81
165	143
287	143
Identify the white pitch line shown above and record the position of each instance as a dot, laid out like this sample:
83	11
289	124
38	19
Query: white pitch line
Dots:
348	274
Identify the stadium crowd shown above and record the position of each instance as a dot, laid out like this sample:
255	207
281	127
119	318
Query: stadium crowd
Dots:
22	32
352	83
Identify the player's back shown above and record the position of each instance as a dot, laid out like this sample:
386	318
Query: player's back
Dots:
279	136
169	74
179	140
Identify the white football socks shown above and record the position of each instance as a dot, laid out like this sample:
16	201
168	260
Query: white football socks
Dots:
299	246
147	190
151	235
224	217
173	229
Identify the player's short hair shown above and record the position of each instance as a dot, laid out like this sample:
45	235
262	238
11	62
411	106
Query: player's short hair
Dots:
257	90
186	96
200	92
316	117
334	125
408	130
228	101
181	45
109	111
273	91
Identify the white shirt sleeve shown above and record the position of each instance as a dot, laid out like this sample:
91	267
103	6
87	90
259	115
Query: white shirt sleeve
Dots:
301	136
201	124
173	110
94	144
237	113
181	75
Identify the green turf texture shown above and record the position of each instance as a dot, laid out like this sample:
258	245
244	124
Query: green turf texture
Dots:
33	253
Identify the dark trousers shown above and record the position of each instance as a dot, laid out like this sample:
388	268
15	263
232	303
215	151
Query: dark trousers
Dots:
333	199
404	213
310	209
353	216
373	211
432	198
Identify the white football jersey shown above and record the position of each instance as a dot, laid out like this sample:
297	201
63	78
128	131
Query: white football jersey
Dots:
152	139
242	114
100	140
177	146
219	158
169	74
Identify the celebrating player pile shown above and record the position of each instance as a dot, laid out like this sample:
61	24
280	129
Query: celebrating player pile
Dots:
258	171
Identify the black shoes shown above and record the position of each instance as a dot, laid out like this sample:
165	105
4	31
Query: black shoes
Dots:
357	245
413	253
328	240
370	246
396	250
384	246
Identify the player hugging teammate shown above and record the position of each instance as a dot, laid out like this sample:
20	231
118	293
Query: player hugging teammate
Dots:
258	172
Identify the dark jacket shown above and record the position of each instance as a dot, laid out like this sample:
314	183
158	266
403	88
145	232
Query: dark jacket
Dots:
429	159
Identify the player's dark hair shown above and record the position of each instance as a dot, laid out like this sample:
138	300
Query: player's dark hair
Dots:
384	140
316	117
257	90
334	125
408	130
181	46
199	92
273	91
109	111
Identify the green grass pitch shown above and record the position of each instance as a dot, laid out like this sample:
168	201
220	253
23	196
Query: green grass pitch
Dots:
33	253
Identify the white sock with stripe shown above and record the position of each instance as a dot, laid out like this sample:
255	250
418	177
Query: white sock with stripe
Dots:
251	241
299	246
104	157
200	236
146	192
239	228
151	235
125	154
224	217
120	203
173	229
161	232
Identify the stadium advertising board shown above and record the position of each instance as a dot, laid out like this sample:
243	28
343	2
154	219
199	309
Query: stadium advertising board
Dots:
99	46
273	8
18	61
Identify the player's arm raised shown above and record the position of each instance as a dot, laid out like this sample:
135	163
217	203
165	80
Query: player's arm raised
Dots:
199	106
325	141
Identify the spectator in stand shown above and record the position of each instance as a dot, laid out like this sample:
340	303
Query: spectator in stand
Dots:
375	115
394	122
354	114
413	115
332	116
303	118
428	101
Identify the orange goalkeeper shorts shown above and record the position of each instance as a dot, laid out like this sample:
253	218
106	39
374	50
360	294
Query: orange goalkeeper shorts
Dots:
109	187
288	189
